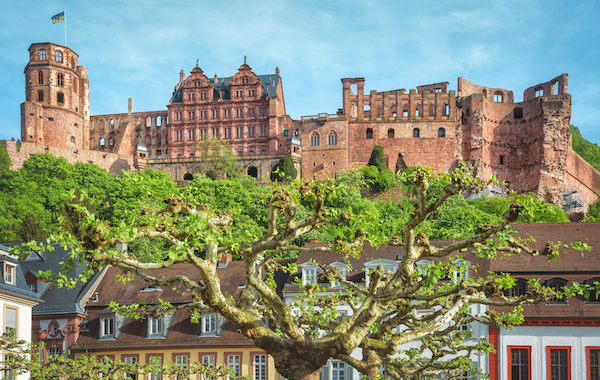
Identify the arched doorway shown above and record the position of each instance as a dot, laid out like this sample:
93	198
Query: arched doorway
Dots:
253	171
188	177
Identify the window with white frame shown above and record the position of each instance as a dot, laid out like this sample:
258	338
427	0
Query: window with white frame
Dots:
461	270
233	363
209	324
210	361
132	371
155	326
10	319
336	370
181	362
9	273
156	362
309	274
342	268
260	367
107	328
386	264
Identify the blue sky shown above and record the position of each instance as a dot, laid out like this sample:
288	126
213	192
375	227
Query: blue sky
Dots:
137	48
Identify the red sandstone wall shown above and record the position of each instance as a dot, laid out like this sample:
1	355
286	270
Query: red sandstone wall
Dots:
113	163
324	160
582	176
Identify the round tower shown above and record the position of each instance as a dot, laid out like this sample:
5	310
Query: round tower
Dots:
56	108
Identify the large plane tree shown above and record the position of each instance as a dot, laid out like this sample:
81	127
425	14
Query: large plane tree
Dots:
303	335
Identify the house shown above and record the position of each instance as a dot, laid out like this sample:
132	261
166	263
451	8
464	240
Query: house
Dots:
560	338
16	300
57	321
173	337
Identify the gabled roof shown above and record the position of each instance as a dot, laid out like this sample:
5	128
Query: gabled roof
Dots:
58	300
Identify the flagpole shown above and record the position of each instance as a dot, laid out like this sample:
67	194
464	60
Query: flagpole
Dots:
65	12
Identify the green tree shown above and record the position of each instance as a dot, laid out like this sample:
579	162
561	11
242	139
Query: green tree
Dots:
301	336
216	157
586	149
5	162
285	170
378	158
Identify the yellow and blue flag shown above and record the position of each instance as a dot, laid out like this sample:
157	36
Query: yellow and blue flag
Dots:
58	18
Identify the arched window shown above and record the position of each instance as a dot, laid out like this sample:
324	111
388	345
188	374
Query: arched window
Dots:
391	133
148	121
148	140
102	142
593	297
498	97
332	138
158	121
315	139
369	134
59	56
557	284
441	132
555	88
519	289
253	171
42	54
416	132
112	123
111	142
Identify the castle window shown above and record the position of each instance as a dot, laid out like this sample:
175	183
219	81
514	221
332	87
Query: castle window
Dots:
369	134
112	123
446	110
417	112
60	98
391	133
315	139
102	142
539	92
438	90
441	132
188	177
111	142
501	160
416	132
251	131
332	138
555	88
518	113
40	77
59	56
40	96
73	139
42	54
498	97
158	121
405	113
60	80
264	130
432	110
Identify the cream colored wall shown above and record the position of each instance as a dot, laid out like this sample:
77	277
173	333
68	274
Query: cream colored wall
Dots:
195	355
23	318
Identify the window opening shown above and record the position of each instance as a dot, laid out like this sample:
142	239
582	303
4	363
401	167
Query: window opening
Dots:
416	133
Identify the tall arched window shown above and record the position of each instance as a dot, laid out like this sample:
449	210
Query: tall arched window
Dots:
315	139
441	132
391	133
369	134
557	284
40	77
332	138
416	132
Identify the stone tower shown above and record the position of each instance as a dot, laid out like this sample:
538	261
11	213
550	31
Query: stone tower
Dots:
56	108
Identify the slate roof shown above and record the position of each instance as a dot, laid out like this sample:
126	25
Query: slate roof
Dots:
20	287
56	300
269	87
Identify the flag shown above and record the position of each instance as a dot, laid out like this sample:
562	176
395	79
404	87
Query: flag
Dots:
58	18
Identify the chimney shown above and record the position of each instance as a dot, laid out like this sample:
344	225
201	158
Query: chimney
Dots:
130	106
225	259
181	75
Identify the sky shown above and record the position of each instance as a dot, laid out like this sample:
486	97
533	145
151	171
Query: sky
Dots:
136	48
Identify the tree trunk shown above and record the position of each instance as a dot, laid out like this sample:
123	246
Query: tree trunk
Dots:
372	364
299	364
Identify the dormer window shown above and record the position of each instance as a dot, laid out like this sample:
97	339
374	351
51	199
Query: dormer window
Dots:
309	274
9	273
386	264
342	269
209	324
107	327
461	270
155	327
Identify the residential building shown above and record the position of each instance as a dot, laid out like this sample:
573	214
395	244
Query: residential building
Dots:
16	302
